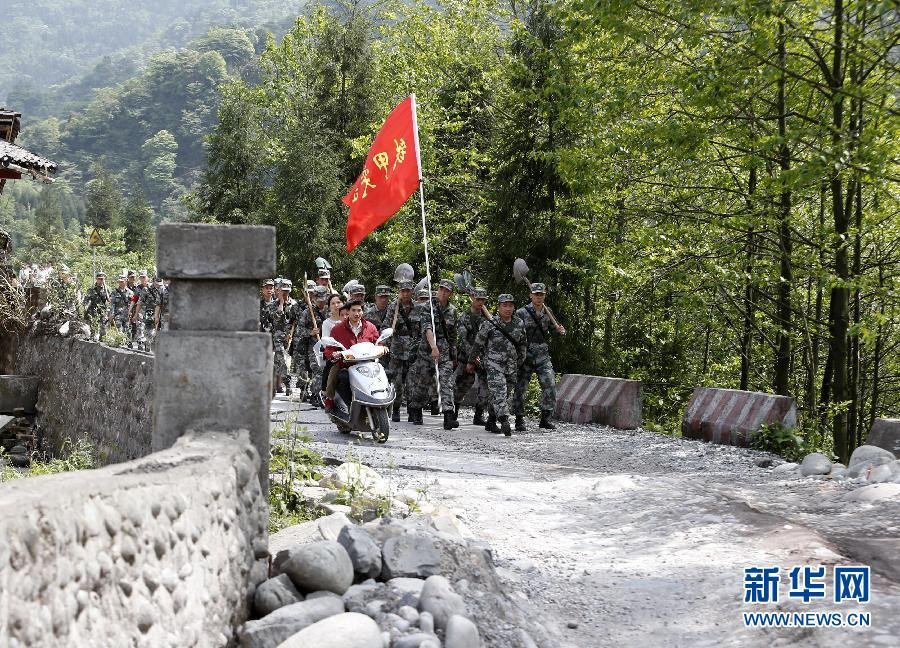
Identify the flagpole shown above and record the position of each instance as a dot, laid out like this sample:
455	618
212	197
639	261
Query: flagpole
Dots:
437	371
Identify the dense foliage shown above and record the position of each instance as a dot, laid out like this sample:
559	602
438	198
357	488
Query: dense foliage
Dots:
709	189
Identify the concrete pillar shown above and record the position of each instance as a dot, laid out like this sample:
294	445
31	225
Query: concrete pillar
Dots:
213	369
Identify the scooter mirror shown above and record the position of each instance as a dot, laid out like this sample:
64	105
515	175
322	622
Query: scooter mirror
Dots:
385	334
331	342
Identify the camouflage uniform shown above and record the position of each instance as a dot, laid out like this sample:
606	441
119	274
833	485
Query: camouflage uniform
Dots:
119	307
445	338
151	298
304	343
467	330
501	358
403	345
138	327
96	304
282	325
164	307
537	360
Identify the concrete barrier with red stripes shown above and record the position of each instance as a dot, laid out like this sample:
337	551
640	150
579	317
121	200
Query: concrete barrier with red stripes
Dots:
616	402
731	416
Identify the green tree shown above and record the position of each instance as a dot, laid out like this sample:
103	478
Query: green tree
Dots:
48	218
103	206
137	218
159	154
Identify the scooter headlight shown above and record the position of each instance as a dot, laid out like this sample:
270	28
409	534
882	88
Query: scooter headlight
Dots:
367	370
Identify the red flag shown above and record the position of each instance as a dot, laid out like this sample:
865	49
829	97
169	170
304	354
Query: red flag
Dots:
389	177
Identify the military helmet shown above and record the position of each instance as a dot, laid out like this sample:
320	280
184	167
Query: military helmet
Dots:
100	275
268	282
406	285
381	289
321	292
446	283
123	277
357	289
310	285
143	273
324	273
422	292
286	284
130	274
538	288
479	293
505	297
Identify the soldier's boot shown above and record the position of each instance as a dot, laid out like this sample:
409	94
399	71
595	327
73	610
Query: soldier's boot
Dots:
395	413
416	413
287	385
545	421
434	408
479	416
520	423
456	415
450	421
491	425
410	414
504	426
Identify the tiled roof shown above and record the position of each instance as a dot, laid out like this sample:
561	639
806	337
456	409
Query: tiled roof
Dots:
12	154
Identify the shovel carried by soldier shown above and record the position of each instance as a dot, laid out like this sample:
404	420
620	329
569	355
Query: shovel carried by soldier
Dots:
520	274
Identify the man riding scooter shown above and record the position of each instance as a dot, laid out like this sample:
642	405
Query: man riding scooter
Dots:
353	331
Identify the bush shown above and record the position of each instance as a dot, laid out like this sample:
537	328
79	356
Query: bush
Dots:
792	443
291	459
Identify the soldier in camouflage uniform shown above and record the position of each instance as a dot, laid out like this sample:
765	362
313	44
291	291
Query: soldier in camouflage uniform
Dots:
537	361
358	293
282	329
120	306
136	316
377	311
96	304
469	324
501	345
402	344
63	291
438	345
267	296
149	312
309	330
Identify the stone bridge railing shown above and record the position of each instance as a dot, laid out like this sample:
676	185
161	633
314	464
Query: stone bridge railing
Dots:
162	550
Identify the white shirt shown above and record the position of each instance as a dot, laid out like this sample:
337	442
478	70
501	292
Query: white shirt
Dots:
327	325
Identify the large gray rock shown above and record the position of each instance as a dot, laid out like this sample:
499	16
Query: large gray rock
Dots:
874	493
331	526
440	600
363	551
412	555
870	455
275	593
461	633
292	536
885	472
815	464
322	565
348	630
273	629
885	434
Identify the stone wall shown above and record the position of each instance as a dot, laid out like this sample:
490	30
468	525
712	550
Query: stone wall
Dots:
161	551
91	391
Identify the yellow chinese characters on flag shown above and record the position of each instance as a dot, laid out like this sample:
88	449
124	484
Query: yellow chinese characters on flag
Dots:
389	176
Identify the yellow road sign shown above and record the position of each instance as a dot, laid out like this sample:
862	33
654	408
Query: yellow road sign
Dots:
96	240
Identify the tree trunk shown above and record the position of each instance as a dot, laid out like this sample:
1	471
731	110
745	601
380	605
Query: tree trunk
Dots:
815	341
785	244
839	312
749	292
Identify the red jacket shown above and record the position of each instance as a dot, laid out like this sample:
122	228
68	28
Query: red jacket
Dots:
344	334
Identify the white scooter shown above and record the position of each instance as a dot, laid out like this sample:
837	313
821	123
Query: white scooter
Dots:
371	393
